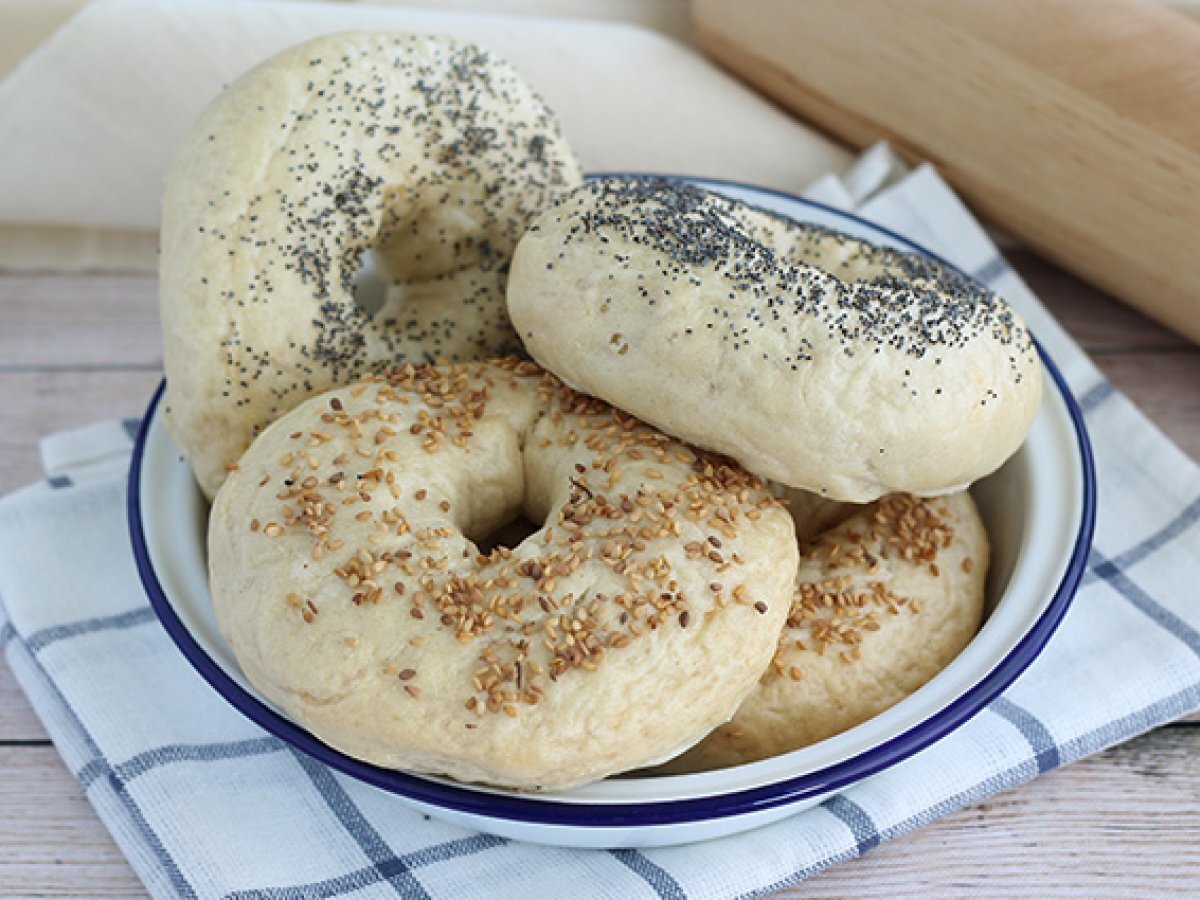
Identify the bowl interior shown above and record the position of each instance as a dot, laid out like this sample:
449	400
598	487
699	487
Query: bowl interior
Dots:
1033	508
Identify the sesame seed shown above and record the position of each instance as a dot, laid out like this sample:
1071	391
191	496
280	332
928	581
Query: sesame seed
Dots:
521	607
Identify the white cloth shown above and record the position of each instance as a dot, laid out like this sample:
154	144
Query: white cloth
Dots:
204	804
90	120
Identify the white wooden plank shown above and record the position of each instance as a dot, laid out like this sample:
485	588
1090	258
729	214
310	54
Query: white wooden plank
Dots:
1122	824
19	466
18	722
51	843
1165	386
78	320
39	403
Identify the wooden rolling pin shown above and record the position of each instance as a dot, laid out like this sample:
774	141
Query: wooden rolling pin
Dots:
1073	123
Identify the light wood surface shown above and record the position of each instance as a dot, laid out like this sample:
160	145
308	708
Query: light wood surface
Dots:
74	349
1075	125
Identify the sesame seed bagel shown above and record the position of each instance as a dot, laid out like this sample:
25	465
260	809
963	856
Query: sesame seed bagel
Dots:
814	359
883	602
346	576
430	154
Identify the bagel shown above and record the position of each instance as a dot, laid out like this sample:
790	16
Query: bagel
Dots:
346	576
814	359
883	602
431	155
811	513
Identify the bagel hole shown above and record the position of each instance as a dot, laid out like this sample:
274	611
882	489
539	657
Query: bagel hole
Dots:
370	290
509	535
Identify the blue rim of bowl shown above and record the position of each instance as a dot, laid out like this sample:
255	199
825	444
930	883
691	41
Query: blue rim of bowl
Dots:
547	811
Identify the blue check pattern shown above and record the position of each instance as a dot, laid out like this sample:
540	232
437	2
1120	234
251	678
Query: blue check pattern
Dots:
206	805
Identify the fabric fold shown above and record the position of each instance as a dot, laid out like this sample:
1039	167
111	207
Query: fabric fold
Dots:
91	119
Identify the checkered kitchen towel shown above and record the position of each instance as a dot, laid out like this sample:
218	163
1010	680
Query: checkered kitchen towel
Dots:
205	804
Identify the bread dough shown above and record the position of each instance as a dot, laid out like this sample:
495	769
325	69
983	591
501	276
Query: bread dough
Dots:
883	602
812	358
428	154
346	575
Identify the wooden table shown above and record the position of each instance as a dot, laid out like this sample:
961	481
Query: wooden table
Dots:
74	349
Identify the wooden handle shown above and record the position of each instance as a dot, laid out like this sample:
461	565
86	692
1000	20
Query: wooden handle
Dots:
1073	123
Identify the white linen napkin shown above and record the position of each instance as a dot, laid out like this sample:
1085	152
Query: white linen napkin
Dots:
204	804
90	120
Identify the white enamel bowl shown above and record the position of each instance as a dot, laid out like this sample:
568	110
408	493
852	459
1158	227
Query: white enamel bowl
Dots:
1039	509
